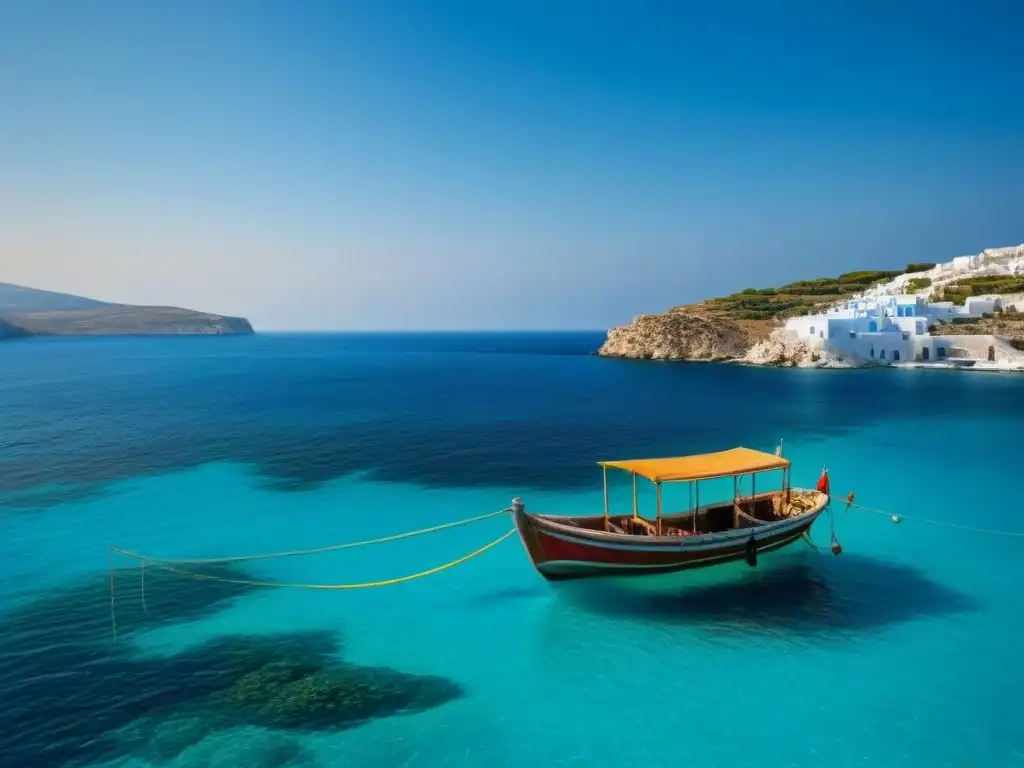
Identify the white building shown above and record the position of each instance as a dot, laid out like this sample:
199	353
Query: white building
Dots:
888	324
885	328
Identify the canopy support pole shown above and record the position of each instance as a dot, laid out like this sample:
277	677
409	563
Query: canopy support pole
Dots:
636	512
753	495
658	486
604	474
696	503
736	501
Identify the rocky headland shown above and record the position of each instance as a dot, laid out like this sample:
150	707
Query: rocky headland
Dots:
678	335
749	326
30	312
730	327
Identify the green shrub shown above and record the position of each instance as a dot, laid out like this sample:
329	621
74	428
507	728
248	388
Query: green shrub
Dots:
867	276
920	266
919	283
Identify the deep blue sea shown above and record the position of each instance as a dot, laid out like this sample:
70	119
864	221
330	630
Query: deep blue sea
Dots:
903	651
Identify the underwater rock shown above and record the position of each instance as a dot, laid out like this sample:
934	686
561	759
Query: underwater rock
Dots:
156	739
80	694
292	695
246	748
58	652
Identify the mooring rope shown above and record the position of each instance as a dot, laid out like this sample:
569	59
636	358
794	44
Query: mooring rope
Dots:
896	518
300	552
173	564
358	585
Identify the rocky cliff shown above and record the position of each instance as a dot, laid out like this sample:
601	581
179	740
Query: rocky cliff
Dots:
678	335
782	351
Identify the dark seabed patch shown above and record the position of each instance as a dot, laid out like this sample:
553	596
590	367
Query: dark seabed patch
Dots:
47	496
840	598
72	695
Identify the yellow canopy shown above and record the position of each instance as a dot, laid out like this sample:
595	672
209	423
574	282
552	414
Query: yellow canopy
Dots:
736	461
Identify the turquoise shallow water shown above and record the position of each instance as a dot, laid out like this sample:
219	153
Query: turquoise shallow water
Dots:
900	652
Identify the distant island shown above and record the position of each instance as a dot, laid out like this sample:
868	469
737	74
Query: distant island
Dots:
28	312
968	312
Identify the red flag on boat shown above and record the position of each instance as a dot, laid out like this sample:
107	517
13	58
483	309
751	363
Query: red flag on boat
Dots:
822	486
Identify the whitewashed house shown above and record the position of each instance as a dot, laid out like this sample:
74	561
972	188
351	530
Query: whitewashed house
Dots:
884	328
886	324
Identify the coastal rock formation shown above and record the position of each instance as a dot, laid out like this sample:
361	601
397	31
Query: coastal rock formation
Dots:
872	317
122	320
782	351
677	335
30	312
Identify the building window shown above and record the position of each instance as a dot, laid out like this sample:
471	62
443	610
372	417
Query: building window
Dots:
895	355
881	355
872	350
812	330
821	334
940	352
925	353
853	334
991	354
872	327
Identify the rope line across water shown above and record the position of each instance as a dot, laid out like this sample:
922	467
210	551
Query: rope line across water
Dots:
940	523
300	552
359	585
170	564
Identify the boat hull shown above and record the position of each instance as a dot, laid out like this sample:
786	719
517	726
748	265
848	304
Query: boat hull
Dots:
561	551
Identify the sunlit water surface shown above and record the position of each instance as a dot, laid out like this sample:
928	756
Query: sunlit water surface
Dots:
901	652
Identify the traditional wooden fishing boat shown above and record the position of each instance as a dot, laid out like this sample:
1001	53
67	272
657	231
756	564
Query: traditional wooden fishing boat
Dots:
704	535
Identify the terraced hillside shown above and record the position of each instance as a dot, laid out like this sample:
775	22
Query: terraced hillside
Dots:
798	298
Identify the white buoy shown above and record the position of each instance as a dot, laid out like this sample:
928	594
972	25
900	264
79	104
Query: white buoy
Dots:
897	519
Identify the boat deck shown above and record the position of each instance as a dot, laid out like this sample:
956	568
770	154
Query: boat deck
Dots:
718	517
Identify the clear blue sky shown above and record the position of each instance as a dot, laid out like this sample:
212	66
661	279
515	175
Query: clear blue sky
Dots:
497	164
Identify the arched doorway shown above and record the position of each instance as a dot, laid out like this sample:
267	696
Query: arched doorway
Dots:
895	355
872	326
925	353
